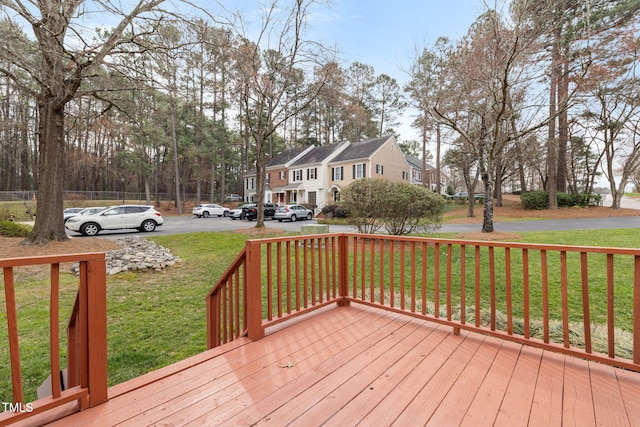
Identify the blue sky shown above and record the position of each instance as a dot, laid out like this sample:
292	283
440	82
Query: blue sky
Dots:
387	34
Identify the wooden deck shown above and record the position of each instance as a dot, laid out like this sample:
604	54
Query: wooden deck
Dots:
358	365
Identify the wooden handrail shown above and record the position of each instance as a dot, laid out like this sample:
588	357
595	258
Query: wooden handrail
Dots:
431	278
87	359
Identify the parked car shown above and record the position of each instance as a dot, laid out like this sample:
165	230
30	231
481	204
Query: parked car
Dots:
139	217
237	212
293	213
459	195
465	195
69	212
210	209
250	211
93	210
234	198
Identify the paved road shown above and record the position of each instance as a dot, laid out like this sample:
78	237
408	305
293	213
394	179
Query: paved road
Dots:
559	224
185	224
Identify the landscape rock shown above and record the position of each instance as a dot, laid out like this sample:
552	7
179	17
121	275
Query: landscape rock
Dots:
136	253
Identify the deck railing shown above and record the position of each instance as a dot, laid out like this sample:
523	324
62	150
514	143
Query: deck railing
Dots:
86	337
577	300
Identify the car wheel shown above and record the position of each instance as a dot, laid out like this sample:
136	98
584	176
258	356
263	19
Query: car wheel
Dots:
279	220
226	213
293	218
90	229
205	214
148	225
309	216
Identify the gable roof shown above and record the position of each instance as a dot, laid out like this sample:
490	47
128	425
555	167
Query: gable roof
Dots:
417	163
362	149
318	154
284	157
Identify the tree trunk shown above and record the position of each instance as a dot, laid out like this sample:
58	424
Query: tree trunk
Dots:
176	167
438	145
49	224
261	167
552	143
563	127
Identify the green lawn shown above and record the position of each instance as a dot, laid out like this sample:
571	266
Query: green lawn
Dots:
157	318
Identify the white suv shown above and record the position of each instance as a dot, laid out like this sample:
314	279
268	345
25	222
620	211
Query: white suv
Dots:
140	217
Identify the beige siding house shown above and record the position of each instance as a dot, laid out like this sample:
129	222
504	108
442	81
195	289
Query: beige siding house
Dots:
374	158
314	176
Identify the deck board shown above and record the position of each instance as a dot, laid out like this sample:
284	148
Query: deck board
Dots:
358	365
486	404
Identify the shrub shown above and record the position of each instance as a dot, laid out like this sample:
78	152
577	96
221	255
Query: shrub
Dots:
540	200
399	207
329	209
341	212
14	229
535	200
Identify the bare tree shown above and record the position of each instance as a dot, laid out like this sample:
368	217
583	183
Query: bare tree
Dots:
489	72
612	108
54	65
267	69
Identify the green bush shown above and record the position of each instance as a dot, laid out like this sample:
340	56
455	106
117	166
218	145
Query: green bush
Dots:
14	229
535	200
540	200
399	207
341	212
329	209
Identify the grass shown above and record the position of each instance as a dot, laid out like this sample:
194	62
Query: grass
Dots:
158	318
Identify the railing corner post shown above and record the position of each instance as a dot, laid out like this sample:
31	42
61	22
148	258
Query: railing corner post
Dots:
343	268
255	331
97	331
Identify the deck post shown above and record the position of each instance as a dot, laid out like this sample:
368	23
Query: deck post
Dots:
97	331
343	266
254	291
636	310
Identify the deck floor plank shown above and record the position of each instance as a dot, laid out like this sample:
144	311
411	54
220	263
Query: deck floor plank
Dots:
359	365
434	390
577	402
401	395
454	406
368	397
546	409
272	372
352	376
516	406
607	400
486	404
629	383
253	370
363	353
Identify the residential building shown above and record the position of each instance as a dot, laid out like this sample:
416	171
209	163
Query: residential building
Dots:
314	176
311	173
277	177
374	158
429	174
